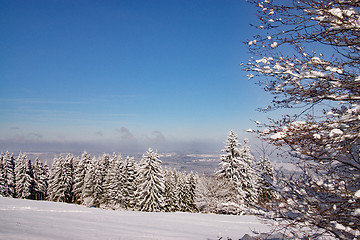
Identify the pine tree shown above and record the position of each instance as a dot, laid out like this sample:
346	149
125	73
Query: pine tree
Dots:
61	179
69	178
46	174
40	180
229	161
238	167
266	180
130	175
171	192
79	177
24	179
98	184
112	184
87	194
10	174
191	192
247	184
7	175
151	183
231	168
182	192
2	176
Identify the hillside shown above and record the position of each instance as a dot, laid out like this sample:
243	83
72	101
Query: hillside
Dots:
27	219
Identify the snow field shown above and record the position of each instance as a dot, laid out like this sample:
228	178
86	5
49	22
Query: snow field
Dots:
28	219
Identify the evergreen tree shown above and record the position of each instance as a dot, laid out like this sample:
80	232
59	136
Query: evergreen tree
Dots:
191	192
2	176
79	176
229	161
266	180
47	177
186	192
98	184
10	174
238	167
171	192
40	180
87	195
247	184
130	174
61	179
182	190
24	179
69	178
54	176
231	170
7	175
112	184
151	183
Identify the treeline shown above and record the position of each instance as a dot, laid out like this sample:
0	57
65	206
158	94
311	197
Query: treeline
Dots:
114	182
107	182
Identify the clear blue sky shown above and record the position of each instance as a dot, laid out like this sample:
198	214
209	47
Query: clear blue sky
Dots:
124	75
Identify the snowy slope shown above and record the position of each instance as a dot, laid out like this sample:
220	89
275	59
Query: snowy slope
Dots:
26	219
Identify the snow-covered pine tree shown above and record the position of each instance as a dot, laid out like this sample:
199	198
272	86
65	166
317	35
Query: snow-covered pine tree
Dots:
7	175
24	179
40	180
54	178
182	192
248	178
171	192
231	170
79	176
61	179
2	176
10	174
191	192
266	180
69	177
151	183
87	194
130	175
47	177
229	160
112	196
98	183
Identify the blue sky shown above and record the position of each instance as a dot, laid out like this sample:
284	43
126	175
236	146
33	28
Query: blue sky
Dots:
124	75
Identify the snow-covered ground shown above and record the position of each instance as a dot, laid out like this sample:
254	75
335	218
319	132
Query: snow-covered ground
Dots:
26	219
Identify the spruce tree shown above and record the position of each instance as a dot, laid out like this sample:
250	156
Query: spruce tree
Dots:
69	178
24	179
191	192
79	177
7	175
266	180
151	183
10	174
171	192
61	179
2	176
229	161
130	174
247	184
231	168
98	184
40	180
112	196
87	194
